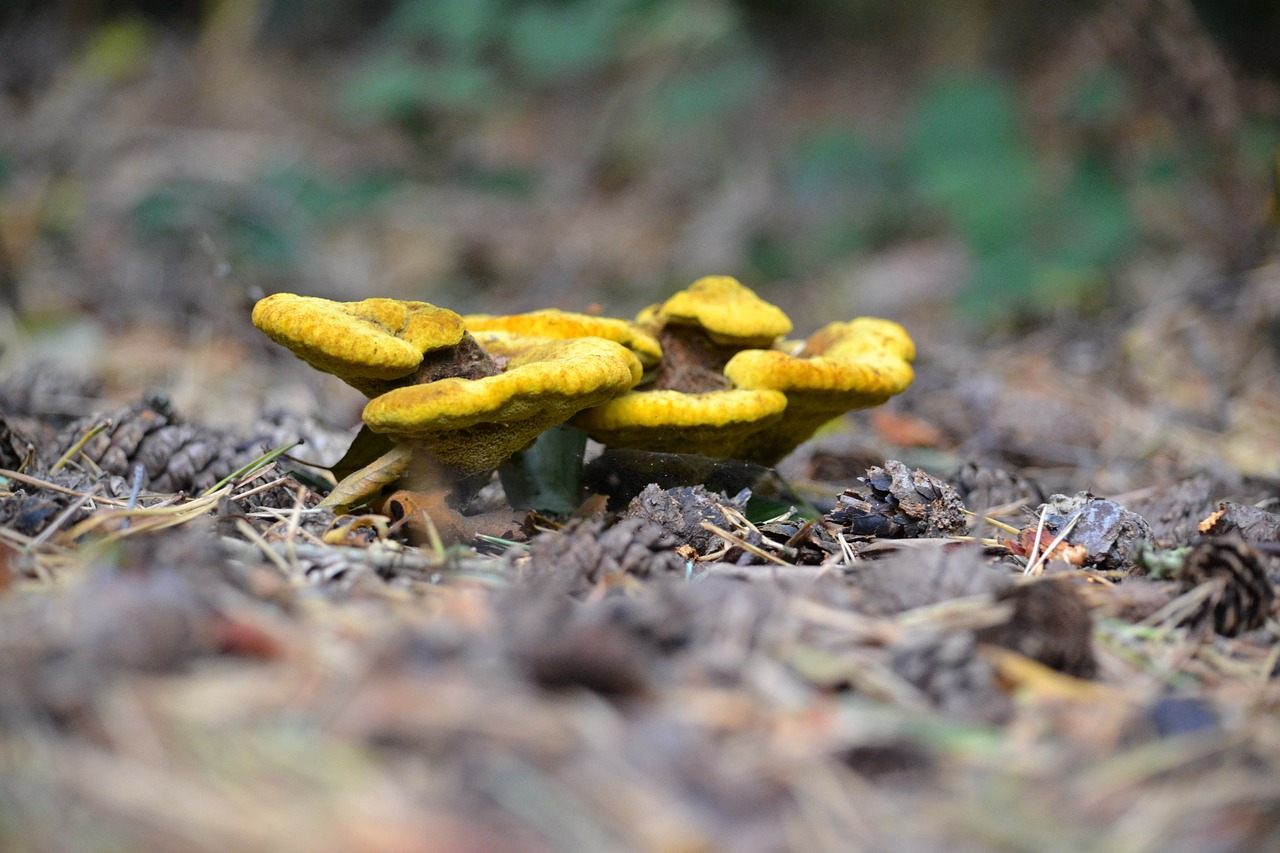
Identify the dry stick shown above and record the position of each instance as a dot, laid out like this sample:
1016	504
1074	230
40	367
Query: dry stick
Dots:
52	487
864	628
1035	544
253	536
744	544
18	538
261	487
734	515
70	510
138	473
846	550
1269	663
279	516
295	523
999	525
1181	607
240	475
160	517
1037	566
965	612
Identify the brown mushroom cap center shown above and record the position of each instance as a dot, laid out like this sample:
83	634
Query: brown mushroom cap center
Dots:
691	361
466	360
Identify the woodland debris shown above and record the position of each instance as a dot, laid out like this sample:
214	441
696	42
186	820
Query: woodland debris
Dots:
586	552
1110	534
1241	596
175	455
947	668
1050	624
896	503
683	510
1249	522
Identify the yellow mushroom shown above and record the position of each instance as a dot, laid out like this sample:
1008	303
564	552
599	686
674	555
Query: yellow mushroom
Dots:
727	386
729	313
842	367
471	426
690	406
372	345
559	325
711	423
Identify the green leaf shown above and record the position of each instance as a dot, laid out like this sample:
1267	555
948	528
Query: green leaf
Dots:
461	27
327	200
548	476
713	93
835	160
1095	221
399	87
971	158
552	41
1000	286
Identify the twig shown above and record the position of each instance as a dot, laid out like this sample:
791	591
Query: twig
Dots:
53	487
1036	566
71	451
999	525
744	544
971	611
246	530
69	511
1035	543
846	550
1180	608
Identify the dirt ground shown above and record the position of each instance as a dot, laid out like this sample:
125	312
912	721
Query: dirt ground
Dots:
1028	604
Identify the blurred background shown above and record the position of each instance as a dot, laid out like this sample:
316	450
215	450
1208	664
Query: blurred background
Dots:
978	169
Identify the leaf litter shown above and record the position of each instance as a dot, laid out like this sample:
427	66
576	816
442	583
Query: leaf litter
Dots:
190	662
873	670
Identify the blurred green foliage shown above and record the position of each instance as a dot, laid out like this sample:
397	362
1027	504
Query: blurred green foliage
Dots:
268	229
1046	218
439	59
1044	230
1041	236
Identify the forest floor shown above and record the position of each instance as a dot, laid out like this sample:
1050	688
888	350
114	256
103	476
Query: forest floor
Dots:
1026	605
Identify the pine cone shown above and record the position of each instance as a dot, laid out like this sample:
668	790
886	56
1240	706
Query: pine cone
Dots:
1243	595
1050	624
175	456
49	394
894	502
583	552
983	488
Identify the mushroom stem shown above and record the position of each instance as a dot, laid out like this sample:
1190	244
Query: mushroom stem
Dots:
692	362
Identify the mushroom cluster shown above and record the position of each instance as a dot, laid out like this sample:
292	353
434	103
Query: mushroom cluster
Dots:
730	385
465	406
709	371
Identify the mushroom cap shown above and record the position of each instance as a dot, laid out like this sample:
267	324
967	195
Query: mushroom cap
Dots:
473	425
730	313
364	343
862	363
713	423
861	336
552	323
